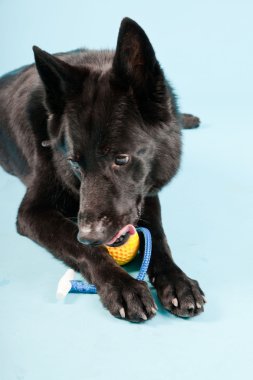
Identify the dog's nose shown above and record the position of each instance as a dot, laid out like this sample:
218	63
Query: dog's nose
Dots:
92	233
85	241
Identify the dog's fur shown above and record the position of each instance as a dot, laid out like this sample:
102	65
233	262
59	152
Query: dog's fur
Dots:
64	126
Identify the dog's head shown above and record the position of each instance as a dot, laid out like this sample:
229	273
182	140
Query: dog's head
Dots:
112	122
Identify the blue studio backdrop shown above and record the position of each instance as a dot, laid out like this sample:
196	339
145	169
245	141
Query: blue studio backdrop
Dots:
205	49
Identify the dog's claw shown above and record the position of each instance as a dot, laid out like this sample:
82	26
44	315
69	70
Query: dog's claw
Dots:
175	302
153	310
143	316
198	305
122	312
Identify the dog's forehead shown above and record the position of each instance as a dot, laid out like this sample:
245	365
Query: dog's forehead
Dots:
104	117
119	134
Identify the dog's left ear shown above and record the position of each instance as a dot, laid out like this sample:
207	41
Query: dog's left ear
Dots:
134	57
135	65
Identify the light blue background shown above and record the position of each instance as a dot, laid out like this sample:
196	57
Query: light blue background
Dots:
205	48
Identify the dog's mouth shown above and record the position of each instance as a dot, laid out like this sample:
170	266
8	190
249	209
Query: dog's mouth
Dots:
122	236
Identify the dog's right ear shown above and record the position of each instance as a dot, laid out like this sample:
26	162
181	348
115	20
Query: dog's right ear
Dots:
60	79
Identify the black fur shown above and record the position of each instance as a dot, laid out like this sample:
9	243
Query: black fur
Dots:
63	123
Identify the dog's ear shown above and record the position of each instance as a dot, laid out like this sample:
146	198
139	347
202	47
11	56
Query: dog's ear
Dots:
135	65
59	78
134	58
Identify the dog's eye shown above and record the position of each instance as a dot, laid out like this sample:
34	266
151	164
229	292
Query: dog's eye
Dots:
121	159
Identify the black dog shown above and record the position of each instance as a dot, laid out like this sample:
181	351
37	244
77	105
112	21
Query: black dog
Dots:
94	135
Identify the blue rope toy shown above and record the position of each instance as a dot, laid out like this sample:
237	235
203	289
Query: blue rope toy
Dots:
67	284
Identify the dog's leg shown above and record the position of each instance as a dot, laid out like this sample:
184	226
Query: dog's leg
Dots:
189	121
123	295
177	292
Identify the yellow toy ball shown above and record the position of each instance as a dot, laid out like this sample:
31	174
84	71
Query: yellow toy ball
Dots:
125	252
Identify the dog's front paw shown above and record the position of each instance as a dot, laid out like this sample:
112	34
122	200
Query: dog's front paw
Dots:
179	294
128	299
